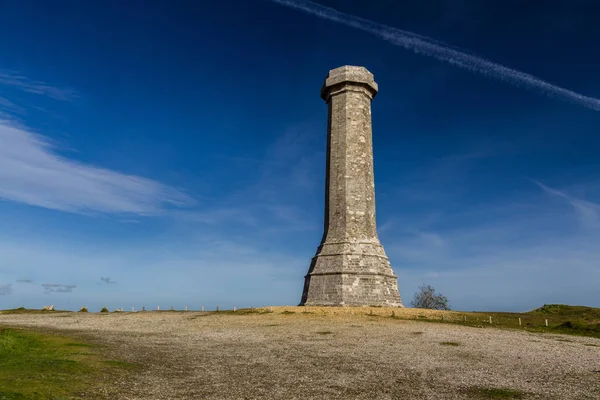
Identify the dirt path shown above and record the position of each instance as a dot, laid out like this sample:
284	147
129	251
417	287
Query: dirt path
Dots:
293	356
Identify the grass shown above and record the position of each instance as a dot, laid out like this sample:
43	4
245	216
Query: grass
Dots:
495	393
324	332
563	319
43	366
23	310
454	344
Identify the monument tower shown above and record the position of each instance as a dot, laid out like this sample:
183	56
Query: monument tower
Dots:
350	267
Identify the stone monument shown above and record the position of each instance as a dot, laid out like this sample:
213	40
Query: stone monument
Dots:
350	267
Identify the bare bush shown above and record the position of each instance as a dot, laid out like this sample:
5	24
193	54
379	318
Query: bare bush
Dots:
427	298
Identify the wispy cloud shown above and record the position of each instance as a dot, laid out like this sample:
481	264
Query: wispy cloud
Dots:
274	197
588	212
515	251
25	84
5	289
107	280
237	214
32	172
58	288
9	106
501	262
443	52
172	271
24	280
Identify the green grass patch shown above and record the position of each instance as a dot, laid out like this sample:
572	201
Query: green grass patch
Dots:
562	319
23	310
43	366
453	344
495	393
325	333
581	312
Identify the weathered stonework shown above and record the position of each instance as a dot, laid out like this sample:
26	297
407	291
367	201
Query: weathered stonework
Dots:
350	267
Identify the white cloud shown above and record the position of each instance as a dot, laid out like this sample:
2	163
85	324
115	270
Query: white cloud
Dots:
275	197
501	262
5	289
588	212
430	47
32	172
58	288
190	271
24	84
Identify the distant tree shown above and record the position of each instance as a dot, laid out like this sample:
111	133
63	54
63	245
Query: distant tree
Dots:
104	309
427	298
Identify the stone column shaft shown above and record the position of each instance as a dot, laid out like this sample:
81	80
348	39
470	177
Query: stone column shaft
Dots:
351	199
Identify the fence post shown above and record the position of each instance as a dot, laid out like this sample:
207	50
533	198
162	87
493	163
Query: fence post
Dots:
490	319
465	318
234	309
132	309
519	321
546	323
157	308
202	308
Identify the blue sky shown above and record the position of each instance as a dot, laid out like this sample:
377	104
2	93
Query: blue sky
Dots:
173	153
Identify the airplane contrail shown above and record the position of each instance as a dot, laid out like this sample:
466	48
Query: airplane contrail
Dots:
443	52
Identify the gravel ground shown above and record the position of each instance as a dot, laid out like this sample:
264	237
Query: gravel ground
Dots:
193	355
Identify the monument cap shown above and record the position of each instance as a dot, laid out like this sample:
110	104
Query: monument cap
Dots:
349	74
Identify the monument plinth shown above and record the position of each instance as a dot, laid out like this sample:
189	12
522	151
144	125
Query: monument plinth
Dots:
350	267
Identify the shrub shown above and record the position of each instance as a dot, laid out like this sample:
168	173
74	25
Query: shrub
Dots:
83	309
104	309
427	298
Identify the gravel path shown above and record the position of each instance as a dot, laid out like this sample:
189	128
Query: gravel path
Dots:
195	355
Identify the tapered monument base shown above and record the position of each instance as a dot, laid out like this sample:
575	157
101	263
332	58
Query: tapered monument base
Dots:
362	277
